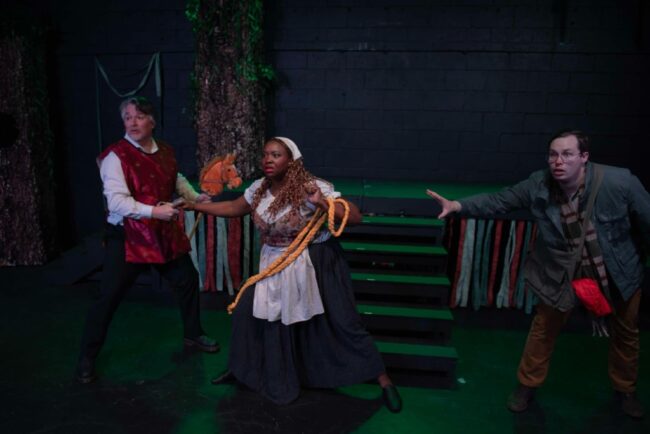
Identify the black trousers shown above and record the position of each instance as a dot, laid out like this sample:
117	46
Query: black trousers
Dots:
119	275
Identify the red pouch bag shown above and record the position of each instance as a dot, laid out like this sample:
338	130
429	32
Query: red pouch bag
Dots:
589	293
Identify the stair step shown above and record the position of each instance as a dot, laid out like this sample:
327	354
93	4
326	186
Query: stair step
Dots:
418	350
401	221
415	230
432	290
378	257
405	312
443	378
418	235
400	205
419	365
401	278
394	248
407	323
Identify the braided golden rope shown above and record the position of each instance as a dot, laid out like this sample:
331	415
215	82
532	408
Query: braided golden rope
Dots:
299	244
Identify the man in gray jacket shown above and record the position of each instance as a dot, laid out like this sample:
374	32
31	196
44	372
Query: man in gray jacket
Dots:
611	254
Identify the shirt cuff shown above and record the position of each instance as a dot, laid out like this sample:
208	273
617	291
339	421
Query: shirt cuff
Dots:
147	211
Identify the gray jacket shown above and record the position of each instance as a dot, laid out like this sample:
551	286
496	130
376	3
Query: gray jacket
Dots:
621	217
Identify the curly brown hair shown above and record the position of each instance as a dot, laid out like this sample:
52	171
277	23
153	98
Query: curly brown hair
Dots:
293	191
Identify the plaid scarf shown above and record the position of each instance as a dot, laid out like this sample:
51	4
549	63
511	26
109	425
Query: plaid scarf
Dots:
592	264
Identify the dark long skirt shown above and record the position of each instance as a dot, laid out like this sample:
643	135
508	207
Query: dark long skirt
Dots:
329	350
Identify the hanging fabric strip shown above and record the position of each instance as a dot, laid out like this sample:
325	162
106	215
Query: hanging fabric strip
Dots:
448	236
459	262
200	236
514	266
209	254
222	244
189	223
465	280
187	215
221	251
477	289
234	250
447	239
519	295
99	69
485	263
502	295
531	301
247	247
496	249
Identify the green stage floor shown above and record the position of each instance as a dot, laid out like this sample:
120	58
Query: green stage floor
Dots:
149	385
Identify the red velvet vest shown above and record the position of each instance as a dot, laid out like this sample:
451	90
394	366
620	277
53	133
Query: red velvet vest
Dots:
151	178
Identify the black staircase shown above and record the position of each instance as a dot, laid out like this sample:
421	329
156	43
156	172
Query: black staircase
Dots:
399	273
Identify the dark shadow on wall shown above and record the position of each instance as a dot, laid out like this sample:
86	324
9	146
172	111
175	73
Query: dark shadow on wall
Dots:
67	237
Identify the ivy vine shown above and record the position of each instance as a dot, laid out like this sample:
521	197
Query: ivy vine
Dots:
214	20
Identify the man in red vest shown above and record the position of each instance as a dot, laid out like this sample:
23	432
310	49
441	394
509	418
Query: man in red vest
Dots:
140	176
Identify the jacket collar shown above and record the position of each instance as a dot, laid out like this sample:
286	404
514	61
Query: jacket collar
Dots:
552	209
543	193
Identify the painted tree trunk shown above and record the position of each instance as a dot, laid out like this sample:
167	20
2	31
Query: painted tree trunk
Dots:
27	211
230	107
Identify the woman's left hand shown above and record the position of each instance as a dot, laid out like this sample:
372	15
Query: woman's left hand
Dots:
314	195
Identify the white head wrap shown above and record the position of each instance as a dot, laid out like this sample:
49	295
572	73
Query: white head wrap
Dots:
295	152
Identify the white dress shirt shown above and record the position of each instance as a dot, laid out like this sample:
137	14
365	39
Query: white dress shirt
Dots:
119	200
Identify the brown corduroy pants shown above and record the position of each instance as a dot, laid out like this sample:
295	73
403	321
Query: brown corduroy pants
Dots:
623	344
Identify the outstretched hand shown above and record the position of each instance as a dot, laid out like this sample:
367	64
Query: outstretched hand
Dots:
203	198
190	205
448	206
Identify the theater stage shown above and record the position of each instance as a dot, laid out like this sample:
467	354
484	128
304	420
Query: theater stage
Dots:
149	384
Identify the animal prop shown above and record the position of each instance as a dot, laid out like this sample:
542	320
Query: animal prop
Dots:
215	174
218	172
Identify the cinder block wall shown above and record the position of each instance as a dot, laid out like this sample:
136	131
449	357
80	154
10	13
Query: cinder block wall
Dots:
122	35
440	90
459	90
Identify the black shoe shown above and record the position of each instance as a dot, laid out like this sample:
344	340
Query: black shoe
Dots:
631	405
520	398
85	372
225	378
203	343
392	400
